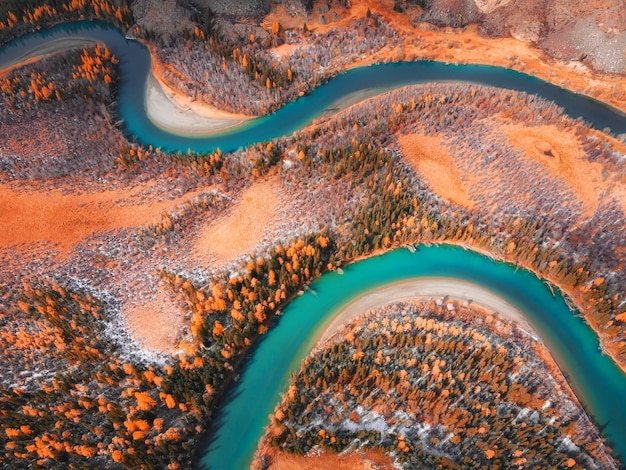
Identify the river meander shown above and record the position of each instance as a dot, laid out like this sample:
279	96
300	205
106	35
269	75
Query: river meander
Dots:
135	65
597	381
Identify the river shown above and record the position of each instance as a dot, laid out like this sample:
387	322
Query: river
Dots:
135	64
597	381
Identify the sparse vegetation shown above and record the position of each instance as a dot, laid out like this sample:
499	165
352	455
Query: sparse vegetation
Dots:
55	111
211	64
92	73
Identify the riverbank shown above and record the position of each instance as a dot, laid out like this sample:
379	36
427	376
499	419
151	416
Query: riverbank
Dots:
543	364
576	297
178	113
411	42
466	45
444	289
451	294
167	107
44	50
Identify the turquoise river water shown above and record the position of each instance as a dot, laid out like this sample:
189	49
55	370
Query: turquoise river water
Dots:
135	64
597	381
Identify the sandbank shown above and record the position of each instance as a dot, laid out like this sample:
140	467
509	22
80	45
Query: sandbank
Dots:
352	99
431	288
178	113
166	107
43	50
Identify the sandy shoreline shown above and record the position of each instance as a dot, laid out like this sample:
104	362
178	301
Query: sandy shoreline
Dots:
176	112
431	288
44	50
352	99
166	107
179	114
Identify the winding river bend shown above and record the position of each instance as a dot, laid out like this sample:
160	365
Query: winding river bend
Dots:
135	65
599	384
596	380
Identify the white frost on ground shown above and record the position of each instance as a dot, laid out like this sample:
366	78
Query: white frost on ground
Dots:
567	443
369	422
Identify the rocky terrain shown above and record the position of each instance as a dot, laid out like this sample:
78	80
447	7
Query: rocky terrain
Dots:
593	32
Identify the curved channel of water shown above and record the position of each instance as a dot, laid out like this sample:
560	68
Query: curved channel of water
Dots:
135	65
598	382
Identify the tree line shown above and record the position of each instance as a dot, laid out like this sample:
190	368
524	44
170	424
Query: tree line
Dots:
18	17
416	382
